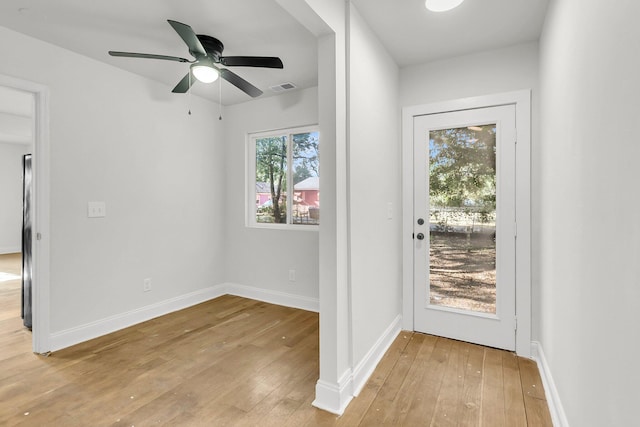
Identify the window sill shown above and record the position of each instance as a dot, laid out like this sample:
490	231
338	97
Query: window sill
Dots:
284	227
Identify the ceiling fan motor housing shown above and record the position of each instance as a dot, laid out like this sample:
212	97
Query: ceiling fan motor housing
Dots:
212	45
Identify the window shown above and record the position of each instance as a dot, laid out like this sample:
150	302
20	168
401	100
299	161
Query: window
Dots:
283	179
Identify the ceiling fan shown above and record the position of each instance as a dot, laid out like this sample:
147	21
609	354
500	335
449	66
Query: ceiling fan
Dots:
207	52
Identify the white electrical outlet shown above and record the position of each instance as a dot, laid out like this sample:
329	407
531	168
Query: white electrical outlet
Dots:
292	275
146	285
96	209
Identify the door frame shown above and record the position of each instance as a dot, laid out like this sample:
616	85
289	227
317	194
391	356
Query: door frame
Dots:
41	210
522	101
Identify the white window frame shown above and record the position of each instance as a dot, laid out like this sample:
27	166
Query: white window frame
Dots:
250	189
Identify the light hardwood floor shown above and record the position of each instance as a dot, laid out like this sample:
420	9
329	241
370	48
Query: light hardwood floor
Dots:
234	361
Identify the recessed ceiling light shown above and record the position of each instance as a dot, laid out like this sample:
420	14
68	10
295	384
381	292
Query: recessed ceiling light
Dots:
442	5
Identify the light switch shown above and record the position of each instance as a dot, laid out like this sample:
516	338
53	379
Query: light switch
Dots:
96	209
389	210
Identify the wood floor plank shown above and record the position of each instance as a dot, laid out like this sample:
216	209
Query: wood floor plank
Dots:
307	415
531	382
515	414
423	405
412	382
304	413
535	402
492	408
265	381
472	387
383	405
358	408
447	411
283	402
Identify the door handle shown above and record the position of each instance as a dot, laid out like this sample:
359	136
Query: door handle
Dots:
420	236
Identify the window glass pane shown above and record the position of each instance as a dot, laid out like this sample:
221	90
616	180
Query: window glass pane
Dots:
462	198
306	179
271	179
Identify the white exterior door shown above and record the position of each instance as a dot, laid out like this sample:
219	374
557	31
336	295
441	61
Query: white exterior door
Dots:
465	225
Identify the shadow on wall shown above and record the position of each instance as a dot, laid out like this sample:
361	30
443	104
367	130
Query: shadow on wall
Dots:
290	100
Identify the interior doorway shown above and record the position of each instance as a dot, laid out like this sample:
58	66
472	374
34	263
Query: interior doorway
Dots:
466	253
35	96
16	146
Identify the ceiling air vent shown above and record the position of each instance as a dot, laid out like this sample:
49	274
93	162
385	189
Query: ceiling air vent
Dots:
283	86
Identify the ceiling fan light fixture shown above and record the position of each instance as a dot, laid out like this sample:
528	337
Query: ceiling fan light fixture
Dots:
442	5
205	73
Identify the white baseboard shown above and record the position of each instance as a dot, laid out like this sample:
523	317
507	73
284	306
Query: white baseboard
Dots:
10	250
334	398
72	336
558	415
273	297
367	365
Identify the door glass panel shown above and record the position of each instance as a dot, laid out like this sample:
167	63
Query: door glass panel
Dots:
462	218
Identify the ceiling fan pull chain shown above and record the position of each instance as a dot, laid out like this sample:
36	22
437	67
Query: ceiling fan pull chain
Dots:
220	97
189	94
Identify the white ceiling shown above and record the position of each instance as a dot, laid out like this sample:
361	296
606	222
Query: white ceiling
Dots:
410	33
246	27
413	35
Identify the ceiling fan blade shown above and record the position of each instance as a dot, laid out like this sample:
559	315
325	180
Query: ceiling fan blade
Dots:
147	56
189	37
240	83
184	84
252	61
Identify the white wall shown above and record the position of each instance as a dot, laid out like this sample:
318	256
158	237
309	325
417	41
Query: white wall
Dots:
120	138
260	257
589	229
11	196
374	183
482	73
485	73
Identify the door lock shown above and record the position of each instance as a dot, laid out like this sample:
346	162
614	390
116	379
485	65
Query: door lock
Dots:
420	221
420	236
